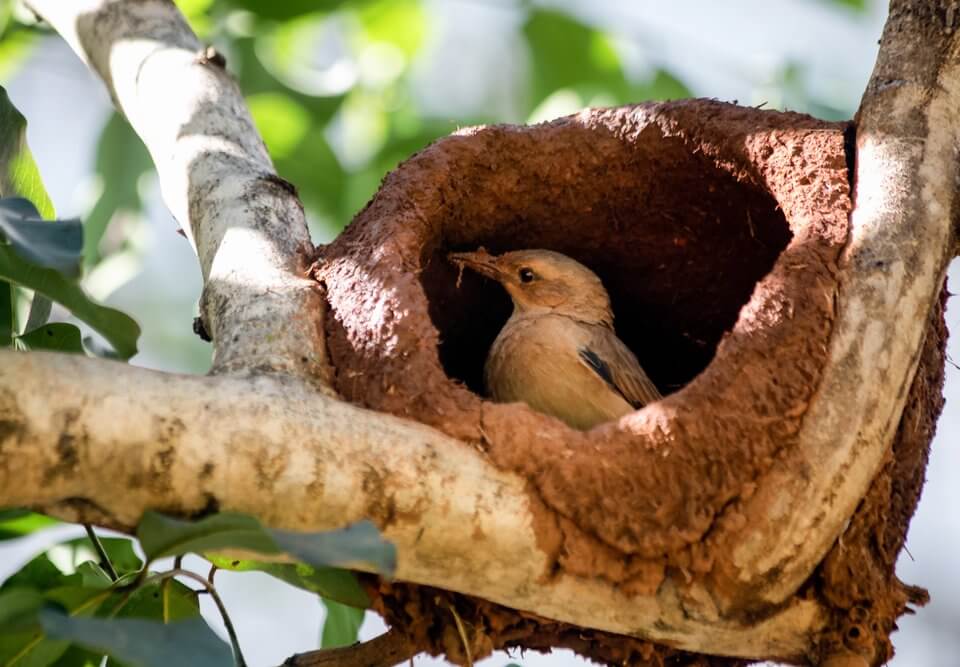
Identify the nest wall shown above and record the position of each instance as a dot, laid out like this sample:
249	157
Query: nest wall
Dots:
717	231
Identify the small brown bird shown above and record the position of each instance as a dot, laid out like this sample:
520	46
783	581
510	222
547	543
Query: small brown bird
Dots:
558	352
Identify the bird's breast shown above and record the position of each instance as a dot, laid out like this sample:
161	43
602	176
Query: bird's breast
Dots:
536	361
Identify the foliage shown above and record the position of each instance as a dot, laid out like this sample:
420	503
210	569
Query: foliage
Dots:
91	597
359	543
43	257
341	625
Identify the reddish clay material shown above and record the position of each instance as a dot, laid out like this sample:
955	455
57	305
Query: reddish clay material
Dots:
715	228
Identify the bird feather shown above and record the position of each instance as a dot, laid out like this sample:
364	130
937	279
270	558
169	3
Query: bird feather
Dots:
608	357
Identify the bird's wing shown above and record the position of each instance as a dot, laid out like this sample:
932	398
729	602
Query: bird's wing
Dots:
608	357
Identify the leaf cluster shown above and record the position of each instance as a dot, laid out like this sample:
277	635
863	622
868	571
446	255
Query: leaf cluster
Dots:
92	598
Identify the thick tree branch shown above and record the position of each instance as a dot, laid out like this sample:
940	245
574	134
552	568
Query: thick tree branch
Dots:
120	440
245	223
901	242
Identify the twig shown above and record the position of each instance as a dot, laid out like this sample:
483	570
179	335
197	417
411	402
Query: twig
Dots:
164	610
463	635
101	553
228	624
390	648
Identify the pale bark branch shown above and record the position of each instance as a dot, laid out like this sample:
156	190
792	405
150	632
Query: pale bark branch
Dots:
245	223
901	242
123	440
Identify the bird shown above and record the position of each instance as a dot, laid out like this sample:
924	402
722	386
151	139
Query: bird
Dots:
558	352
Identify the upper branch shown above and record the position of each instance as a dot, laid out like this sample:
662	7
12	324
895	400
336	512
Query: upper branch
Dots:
245	223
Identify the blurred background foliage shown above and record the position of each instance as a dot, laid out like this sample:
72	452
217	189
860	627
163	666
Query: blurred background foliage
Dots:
342	91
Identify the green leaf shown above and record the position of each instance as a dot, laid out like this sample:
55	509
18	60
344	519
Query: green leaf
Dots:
328	582
30	649
18	609
858	5
40	308
39	573
567	54
86	560
19	176
30	646
121	162
399	22
165	601
142	643
15	46
46	244
119	550
163	536
357	543
119	329
282	121
77	555
92	576
288	9
16	523
87	592
58	337
341	625
80	600
76	656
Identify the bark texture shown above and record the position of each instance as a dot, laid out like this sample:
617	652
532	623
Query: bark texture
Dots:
245	222
737	276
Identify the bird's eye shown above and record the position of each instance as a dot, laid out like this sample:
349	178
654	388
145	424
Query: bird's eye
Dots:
526	275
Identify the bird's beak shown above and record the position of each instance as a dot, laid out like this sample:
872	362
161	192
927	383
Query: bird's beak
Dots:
480	261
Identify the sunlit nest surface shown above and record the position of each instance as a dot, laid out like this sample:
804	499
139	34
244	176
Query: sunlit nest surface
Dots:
718	231
715	229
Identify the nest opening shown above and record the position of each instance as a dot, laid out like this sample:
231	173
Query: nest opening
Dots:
678	242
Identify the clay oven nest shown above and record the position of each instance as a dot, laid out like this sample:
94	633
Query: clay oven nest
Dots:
717	257
716	229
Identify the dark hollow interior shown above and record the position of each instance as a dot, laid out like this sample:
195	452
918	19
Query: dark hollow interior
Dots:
678	242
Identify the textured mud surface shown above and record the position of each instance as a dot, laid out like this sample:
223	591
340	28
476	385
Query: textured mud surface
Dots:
716	230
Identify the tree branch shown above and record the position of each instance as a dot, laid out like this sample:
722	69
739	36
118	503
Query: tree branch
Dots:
390	648
245	223
120	440
901	242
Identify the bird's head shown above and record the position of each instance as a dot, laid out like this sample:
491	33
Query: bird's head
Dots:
542	281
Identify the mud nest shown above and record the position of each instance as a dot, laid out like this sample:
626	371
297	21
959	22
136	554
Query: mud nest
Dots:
716	230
